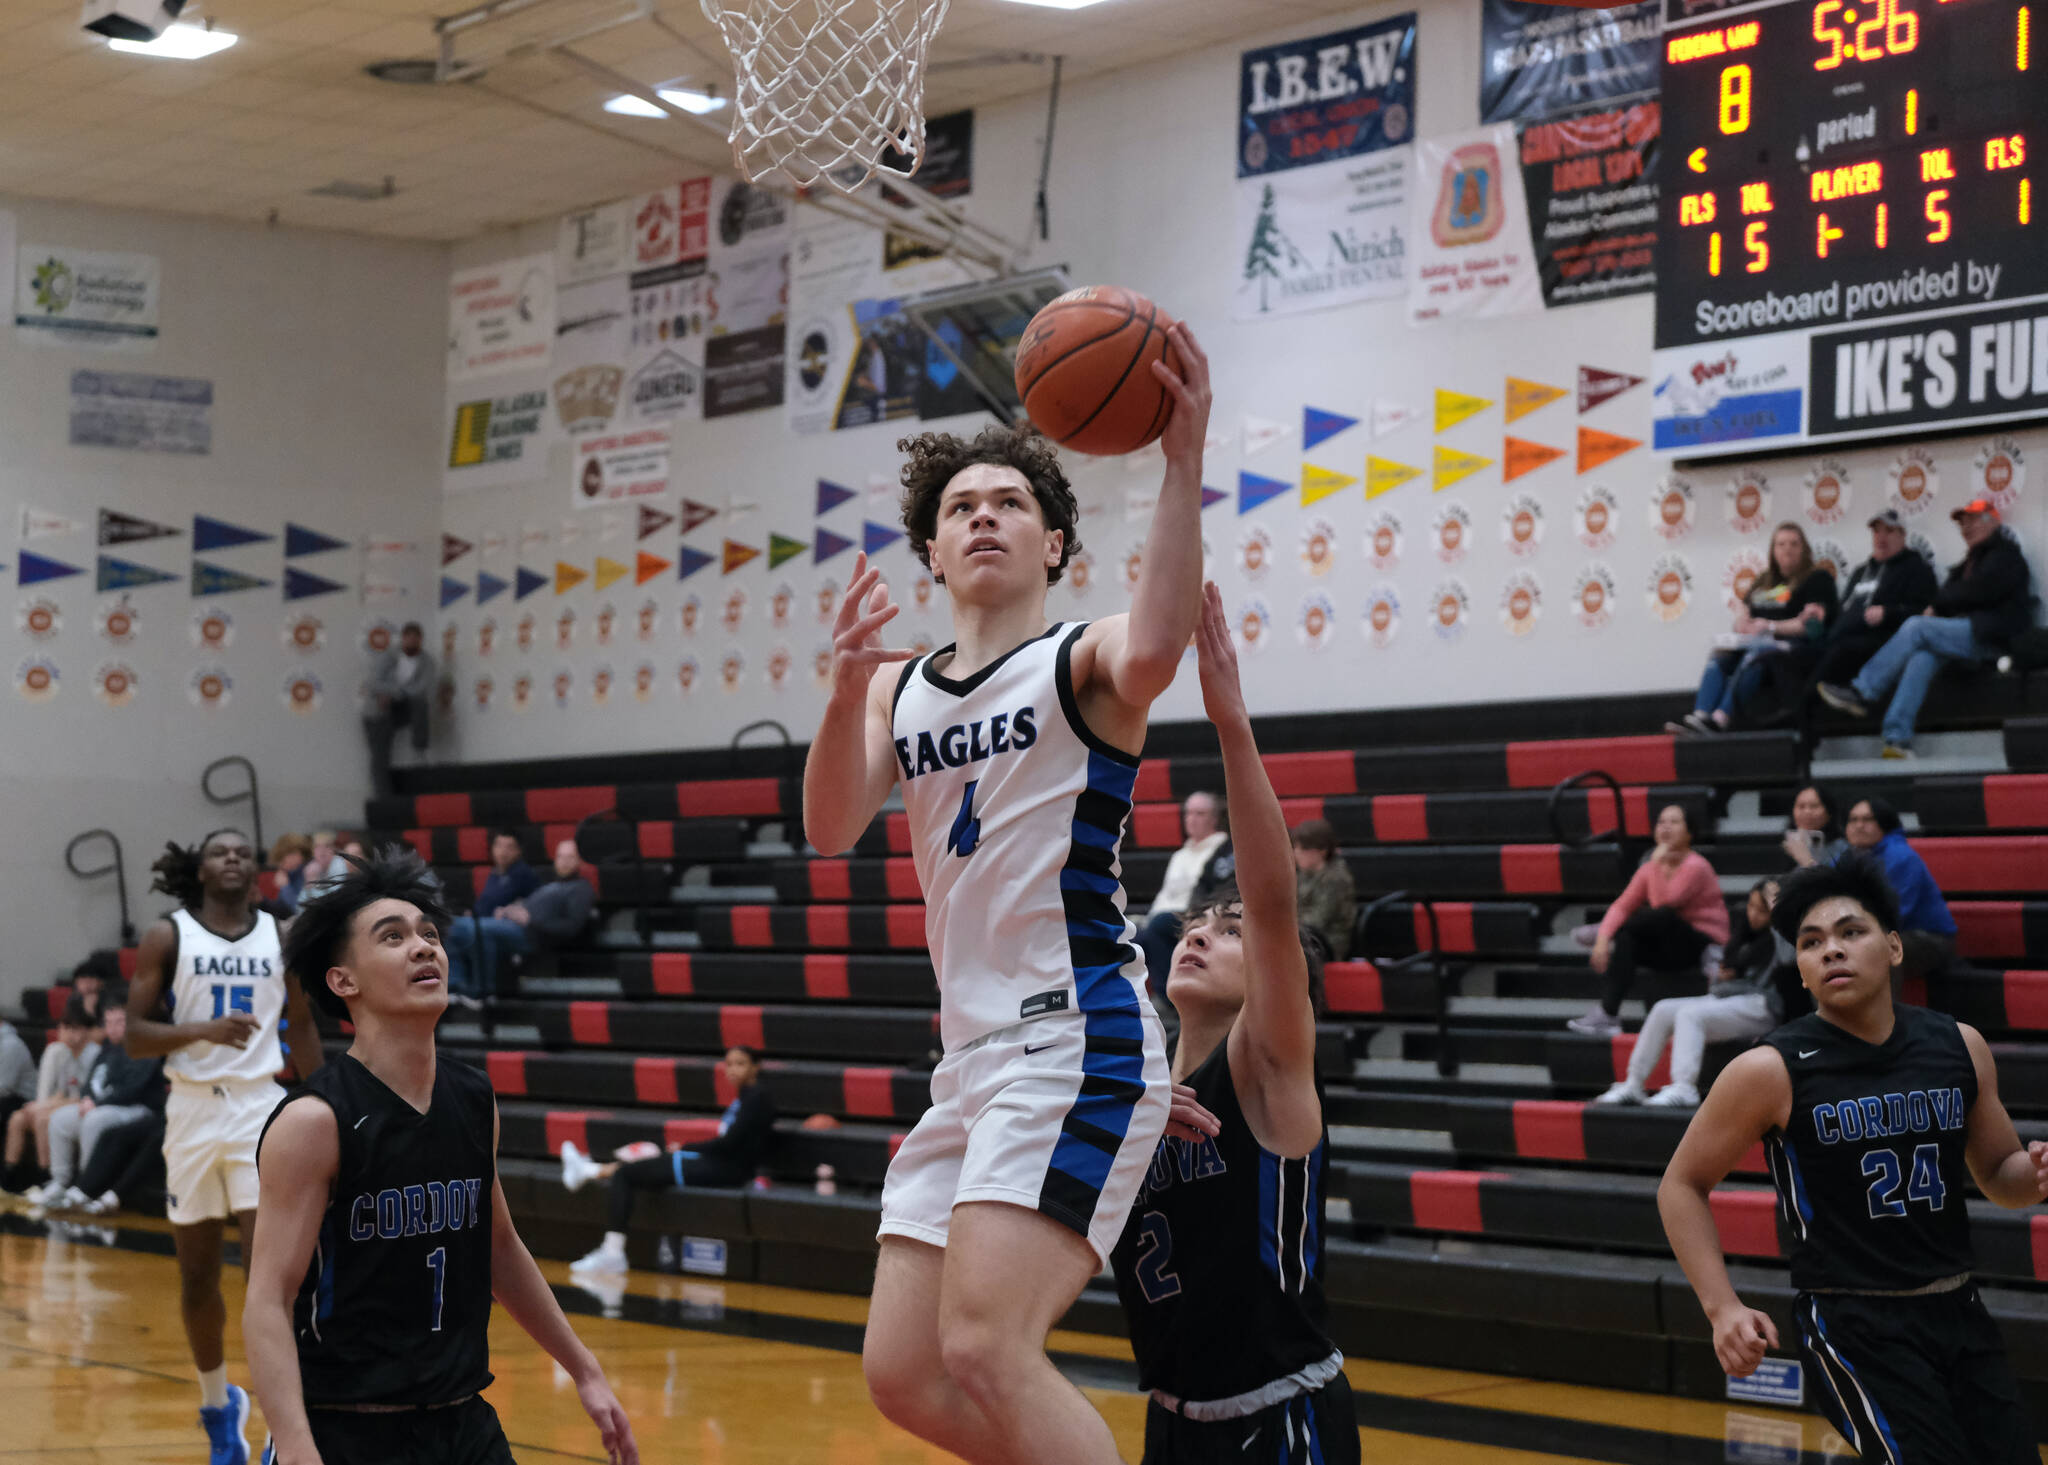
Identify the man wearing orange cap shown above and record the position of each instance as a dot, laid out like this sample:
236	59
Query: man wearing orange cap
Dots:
1987	600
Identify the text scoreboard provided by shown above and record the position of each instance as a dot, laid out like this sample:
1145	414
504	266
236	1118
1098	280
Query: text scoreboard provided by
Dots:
1851	237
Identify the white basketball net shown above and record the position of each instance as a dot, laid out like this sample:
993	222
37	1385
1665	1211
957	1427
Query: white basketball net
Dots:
824	87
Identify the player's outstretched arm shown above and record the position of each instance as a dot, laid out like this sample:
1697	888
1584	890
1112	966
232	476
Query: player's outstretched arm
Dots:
852	763
2009	1173
1140	653
295	1167
524	1293
1273	1043
307	1052
148	1037
1752	1097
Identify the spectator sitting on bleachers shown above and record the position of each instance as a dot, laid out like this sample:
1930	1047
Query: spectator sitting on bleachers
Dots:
325	864
1323	892
90	980
1671	917
127	1160
745	1131
545	915
1813	838
17	1072
1926	929
117	1091
1987	600
290	855
1792	601
1742	1003
58	1084
1201	864
1882	594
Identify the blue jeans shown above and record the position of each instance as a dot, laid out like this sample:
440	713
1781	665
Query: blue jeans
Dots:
1731	679
475	950
1910	660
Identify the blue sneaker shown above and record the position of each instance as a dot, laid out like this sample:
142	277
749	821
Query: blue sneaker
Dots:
224	1427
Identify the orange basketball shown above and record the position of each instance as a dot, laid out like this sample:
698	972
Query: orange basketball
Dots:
1084	370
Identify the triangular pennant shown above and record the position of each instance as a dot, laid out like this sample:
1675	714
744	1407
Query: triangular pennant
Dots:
827	544
736	554
125	575
646	566
568	576
217	580
452	591
489	587
526	581
1392	417
1318	426
1597	386
876	537
1597	447
614	527
1525	397
299	540
694	514
1318	484
1212	496
219	534
610	572
740	508
35	568
1452	465
453	548
1384	475
653	519
571	532
1522	456
1453	408
831	496
119	528
298	585
39	524
782	549
691	561
1260	433
1253	490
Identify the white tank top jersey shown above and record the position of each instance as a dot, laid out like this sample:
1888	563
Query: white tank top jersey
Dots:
215	977
1016	815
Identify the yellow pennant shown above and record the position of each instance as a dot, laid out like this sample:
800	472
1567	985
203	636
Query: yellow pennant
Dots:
1384	475
1319	483
610	570
1452	465
1525	397
566	576
1453	408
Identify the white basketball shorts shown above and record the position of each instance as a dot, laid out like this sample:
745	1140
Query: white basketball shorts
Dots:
210	1134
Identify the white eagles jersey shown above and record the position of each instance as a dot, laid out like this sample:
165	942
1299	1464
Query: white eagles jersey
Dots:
1016	815
216	976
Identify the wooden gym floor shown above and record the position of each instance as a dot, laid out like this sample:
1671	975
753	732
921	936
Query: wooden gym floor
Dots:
93	1368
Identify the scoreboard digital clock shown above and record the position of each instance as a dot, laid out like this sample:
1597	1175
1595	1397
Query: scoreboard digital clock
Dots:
1853	220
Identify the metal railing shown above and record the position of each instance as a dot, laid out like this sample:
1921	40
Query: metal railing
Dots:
114	867
1446	1057
249	794
1626	852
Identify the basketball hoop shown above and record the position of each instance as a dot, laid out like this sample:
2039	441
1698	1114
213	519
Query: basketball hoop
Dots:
824	87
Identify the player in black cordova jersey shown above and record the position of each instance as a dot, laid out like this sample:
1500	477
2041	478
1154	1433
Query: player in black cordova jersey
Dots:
1875	1115
1221	1265
385	1234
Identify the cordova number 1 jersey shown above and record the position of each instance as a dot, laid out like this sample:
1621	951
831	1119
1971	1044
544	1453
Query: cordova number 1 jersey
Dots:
1016	817
216	976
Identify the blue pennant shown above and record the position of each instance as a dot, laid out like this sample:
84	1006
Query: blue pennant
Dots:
298	585
452	591
488	587
127	575
219	534
1212	496
1253	490
829	544
219	580
831	496
692	561
877	536
299	540
1318	426
528	581
35	568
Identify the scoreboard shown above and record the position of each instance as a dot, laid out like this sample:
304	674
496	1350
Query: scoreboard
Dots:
1853	220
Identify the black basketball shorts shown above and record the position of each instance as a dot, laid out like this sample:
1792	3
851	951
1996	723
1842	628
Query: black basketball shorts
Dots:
1310	1429
460	1434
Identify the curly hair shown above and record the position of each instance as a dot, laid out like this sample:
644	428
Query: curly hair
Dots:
1855	877
937	457
177	869
318	936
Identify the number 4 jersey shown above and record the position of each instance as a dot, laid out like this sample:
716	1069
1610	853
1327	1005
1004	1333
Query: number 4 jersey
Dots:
1016	814
215	976
1870	1169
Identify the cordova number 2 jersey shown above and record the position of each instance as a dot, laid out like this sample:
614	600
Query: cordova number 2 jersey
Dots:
1016	816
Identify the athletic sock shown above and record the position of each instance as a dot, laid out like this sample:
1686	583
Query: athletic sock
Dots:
213	1387
615	1242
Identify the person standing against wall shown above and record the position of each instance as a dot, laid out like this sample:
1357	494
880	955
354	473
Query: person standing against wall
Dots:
400	694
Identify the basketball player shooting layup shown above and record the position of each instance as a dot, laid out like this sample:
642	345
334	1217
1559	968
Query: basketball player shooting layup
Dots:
229	995
1221	1264
1017	747
385	1234
1874	1115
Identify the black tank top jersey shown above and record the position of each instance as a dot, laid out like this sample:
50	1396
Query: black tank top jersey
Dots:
1870	1170
1220	1266
396	1302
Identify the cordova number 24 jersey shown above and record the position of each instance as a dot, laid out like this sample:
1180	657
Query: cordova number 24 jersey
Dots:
1016	816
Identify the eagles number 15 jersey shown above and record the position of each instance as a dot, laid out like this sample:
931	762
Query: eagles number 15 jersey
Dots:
216	976
1016	815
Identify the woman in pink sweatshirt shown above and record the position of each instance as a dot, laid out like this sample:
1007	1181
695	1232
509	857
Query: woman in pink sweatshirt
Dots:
1671	918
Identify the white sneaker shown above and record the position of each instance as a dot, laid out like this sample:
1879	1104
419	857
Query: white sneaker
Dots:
1595	1023
1675	1096
577	1167
1625	1092
46	1195
106	1205
602	1260
74	1199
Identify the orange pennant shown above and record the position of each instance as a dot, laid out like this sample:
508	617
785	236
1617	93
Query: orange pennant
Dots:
648	567
1597	447
1522	456
737	554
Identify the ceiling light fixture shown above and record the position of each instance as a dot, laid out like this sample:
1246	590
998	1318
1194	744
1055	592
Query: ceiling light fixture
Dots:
180	42
694	102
